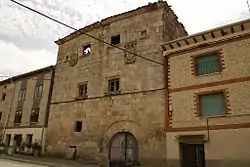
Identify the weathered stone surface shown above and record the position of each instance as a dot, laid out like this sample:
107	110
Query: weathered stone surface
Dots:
138	108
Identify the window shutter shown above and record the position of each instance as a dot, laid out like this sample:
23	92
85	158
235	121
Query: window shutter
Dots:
213	104
207	64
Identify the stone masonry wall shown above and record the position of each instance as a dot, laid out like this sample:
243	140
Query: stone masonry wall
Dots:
139	109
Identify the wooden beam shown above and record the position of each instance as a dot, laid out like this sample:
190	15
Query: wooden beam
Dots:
178	44
195	40
186	41
171	46
232	30
242	27
203	37
212	34
223	33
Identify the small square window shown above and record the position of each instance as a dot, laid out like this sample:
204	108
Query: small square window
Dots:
78	126
115	39
83	90
86	49
3	96
207	64
212	104
114	85
144	33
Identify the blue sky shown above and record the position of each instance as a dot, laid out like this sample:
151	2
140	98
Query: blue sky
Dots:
27	40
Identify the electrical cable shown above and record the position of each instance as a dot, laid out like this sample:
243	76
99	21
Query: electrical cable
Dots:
66	25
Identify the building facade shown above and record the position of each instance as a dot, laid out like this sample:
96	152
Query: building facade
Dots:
208	120
24	108
108	105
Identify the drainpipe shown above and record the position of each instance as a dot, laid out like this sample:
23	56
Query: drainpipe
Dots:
46	116
167	121
7	119
166	92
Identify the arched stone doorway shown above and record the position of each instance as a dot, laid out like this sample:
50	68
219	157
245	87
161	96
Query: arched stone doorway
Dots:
124	150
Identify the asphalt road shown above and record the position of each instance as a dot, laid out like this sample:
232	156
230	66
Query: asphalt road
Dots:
9	163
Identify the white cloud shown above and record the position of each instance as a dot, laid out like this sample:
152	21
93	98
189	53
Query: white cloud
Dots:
26	39
15	61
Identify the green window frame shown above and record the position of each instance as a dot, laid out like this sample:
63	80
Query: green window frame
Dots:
213	104
207	64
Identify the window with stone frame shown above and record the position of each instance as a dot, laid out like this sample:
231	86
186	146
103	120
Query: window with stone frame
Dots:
207	64
115	40
86	49
212	104
83	90
21	96
18	117
34	115
113	85
78	126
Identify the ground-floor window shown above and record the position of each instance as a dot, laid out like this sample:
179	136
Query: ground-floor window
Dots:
7	140
29	140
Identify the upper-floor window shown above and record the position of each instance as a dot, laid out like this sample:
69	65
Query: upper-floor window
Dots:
114	85
3	96
207	64
115	39
18	117
86	49
34	115
83	90
38	92
213	104
22	94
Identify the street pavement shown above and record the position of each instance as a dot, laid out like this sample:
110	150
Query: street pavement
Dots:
10	163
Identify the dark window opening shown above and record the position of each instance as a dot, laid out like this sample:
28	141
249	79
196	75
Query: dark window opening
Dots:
78	126
86	49
18	117
18	140
21	96
83	90
29	140
7	140
0	116
114	85
115	39
34	115
3	96
38	92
